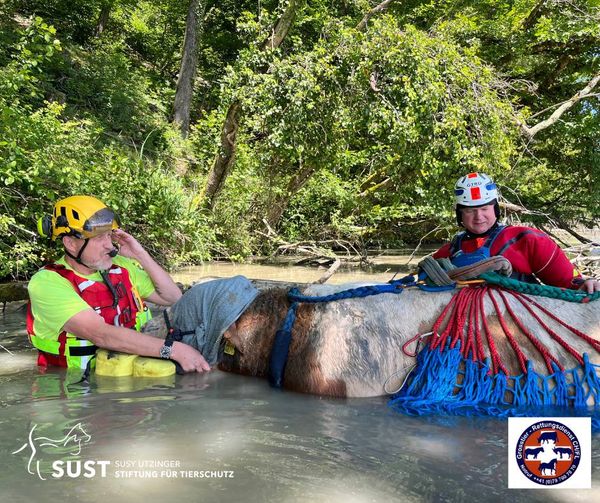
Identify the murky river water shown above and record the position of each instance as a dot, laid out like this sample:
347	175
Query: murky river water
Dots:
221	437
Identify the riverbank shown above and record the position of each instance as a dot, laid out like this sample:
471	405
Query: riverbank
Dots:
381	266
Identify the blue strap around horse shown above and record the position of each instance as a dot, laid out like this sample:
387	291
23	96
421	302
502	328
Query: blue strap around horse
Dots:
283	336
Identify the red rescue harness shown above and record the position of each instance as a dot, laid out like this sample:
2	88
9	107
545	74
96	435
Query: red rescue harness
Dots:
115	302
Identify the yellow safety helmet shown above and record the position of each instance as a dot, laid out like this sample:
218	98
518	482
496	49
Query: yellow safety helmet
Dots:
80	216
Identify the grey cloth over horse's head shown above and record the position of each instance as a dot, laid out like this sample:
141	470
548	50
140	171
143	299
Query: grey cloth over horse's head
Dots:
209	309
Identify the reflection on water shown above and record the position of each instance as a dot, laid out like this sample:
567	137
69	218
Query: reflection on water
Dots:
280	446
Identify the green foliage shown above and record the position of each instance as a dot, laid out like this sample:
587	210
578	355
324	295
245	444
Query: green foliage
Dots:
546	52
44	156
106	84
344	135
324	210
573	191
427	112
235	213
47	158
384	120
29	57
74	19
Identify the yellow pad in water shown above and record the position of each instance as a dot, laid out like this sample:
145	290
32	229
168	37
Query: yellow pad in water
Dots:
111	363
153	367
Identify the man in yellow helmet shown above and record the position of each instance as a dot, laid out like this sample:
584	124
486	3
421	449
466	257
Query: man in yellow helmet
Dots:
92	296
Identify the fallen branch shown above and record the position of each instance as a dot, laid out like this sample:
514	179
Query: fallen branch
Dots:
308	249
314	249
552	235
331	271
22	229
575	234
541	112
517	208
412	255
586	258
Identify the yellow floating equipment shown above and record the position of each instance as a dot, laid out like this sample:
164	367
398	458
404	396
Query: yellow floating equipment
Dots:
113	364
152	367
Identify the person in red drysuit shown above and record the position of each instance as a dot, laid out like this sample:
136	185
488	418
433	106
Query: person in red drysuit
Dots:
533	254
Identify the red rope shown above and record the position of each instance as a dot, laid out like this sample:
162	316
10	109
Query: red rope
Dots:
511	339
548	358
463	305
551	332
464	321
436	341
497	364
410	341
469	339
592	342
478	340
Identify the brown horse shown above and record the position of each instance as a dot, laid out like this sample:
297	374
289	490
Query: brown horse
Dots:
354	347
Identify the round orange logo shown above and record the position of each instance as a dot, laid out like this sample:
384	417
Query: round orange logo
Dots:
548	453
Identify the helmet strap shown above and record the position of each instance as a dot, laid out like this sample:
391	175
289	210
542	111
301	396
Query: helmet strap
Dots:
111	288
458	216
78	257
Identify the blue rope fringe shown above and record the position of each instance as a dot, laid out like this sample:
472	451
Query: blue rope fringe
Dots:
434	389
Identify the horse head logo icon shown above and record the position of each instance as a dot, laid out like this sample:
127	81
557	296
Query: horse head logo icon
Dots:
70	444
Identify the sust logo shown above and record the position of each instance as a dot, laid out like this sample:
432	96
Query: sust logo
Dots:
548	452
43	448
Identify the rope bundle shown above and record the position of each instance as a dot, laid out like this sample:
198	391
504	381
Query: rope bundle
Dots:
540	290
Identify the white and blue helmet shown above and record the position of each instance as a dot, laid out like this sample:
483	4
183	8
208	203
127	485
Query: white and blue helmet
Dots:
475	189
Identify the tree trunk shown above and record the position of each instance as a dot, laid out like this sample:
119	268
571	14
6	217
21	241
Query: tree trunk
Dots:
281	203
103	17
225	159
556	72
187	70
226	156
281	28
382	7
534	15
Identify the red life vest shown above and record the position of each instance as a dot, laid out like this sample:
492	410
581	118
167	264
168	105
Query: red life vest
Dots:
69	351
531	252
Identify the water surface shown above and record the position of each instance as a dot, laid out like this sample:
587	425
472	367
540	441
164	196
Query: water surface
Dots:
278	446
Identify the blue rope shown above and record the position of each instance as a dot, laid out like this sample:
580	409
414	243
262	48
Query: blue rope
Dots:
434	388
283	336
281	348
